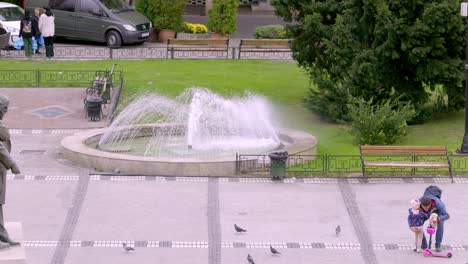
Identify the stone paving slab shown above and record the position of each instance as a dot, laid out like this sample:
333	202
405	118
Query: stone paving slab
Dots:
389	257
39	255
40	155
140	256
290	256
47	108
283	212
40	206
166	211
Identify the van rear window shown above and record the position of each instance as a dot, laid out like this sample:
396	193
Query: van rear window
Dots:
11	13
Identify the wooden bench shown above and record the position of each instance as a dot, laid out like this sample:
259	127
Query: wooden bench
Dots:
264	45
402	151
197	45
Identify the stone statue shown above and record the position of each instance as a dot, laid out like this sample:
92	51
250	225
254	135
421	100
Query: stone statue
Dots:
6	163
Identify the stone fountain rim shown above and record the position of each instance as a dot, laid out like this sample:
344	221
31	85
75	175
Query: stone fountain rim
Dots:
294	139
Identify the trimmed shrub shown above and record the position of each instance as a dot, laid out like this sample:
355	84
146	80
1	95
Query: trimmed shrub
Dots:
270	32
222	18
194	28
379	124
165	14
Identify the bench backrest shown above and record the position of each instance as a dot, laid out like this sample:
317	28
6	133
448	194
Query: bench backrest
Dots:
404	150
195	42
265	42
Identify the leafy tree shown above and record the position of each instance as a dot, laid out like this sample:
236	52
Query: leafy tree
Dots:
377	49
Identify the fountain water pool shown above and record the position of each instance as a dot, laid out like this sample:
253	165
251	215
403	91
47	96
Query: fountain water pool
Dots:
197	133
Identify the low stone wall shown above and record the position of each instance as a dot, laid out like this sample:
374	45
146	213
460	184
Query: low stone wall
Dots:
76	150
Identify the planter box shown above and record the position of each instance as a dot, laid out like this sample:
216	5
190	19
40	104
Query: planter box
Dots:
193	36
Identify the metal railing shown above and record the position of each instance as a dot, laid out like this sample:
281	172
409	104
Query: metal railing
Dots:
75	52
114	101
343	165
50	78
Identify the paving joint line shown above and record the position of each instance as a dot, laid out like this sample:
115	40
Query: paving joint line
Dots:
349	198
234	179
228	245
71	219
214	222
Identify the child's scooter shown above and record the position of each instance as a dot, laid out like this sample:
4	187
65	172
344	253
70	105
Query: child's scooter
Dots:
429	252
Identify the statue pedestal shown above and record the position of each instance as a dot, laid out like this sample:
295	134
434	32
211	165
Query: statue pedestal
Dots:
14	255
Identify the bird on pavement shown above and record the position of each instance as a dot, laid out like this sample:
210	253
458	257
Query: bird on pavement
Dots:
338	230
250	259
127	248
274	251
238	229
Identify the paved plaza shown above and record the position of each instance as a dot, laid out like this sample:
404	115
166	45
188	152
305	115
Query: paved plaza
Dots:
77	215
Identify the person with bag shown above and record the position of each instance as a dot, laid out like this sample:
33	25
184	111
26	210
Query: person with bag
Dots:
47	28
37	13
27	32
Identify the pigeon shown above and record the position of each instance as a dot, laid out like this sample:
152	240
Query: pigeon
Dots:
238	229
250	259
127	248
116	171
338	230
274	251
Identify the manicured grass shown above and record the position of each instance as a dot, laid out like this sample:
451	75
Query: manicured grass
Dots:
283	82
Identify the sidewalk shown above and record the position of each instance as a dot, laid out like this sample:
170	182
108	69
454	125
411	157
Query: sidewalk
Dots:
47	108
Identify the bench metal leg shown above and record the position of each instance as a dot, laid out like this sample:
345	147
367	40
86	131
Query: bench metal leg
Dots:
450	168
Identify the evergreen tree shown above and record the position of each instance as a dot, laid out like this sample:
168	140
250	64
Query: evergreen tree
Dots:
377	49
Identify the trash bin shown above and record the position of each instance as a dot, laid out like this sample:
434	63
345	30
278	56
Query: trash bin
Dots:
278	164
93	107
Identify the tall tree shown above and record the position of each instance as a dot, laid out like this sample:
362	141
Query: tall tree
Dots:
377	49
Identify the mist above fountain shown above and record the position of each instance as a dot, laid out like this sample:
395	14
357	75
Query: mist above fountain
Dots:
198	124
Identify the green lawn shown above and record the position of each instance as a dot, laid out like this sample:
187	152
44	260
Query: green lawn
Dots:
283	82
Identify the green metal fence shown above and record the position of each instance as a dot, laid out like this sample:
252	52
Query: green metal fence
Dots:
344	165
50	78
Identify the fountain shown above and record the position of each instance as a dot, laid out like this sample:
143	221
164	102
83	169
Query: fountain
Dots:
197	133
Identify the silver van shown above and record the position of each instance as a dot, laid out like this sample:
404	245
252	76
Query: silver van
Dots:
110	21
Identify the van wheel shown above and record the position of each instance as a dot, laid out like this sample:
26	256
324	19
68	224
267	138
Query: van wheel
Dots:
113	39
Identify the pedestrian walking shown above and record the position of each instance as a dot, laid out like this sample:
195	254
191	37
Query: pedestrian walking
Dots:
47	28
27	31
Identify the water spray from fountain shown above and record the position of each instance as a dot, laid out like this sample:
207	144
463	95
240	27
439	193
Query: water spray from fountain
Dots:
198	124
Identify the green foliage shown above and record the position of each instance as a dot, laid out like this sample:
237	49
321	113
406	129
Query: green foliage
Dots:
377	49
222	18
165	14
270	32
384	123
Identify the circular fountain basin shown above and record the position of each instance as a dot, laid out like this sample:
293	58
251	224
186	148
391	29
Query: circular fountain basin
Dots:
81	149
